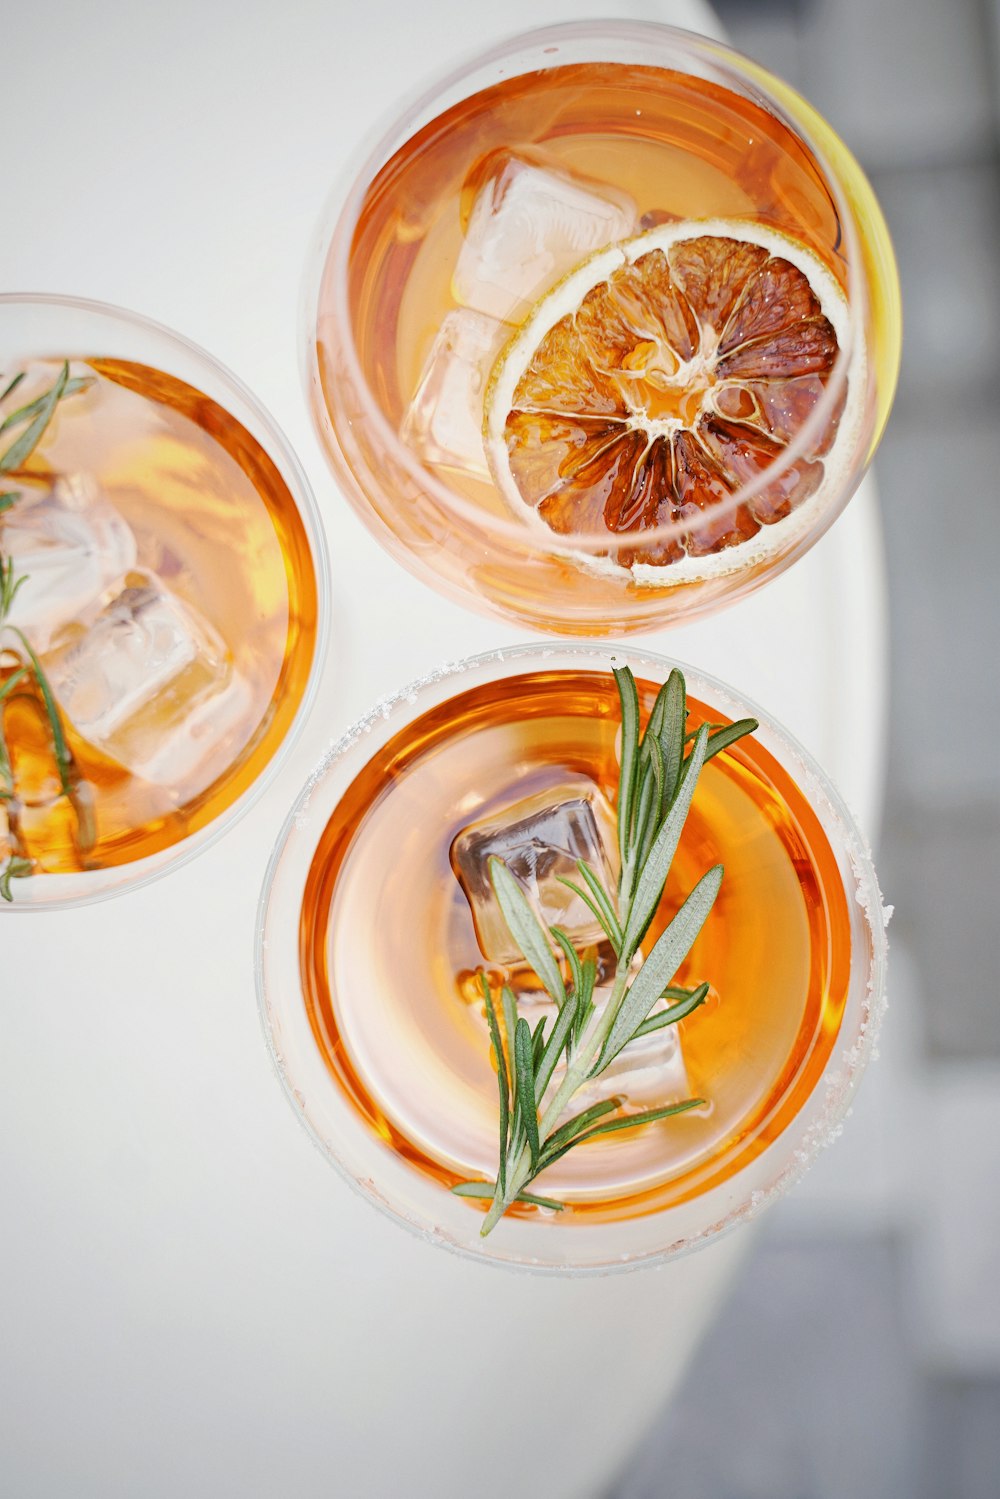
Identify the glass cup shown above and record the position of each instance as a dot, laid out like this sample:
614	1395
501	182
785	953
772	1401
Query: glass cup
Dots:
205	440
699	133
346	894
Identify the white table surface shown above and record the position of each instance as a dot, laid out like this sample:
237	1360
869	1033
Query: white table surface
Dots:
193	1303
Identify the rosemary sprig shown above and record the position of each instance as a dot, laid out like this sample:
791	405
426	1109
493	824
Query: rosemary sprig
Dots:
34	418
658	773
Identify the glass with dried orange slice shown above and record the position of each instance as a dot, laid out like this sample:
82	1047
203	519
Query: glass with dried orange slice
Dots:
606	330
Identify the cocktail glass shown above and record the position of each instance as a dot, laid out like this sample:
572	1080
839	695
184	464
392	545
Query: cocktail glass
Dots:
223	570
368	968
414	341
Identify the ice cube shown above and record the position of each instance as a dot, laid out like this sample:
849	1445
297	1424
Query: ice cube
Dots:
444	421
539	839
648	1074
152	684
70	544
531	222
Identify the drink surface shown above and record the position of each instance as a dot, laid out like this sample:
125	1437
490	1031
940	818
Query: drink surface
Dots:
390	954
479	235
677	145
171	598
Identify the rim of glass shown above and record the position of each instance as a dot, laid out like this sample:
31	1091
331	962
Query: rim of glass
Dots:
165	861
809	1138
340	215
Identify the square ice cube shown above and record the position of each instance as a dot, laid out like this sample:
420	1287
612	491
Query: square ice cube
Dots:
444	421
135	646
649	1074
539	839
532	221
151	684
70	544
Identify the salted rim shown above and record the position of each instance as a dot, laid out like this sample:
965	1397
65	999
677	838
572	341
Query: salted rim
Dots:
837	1086
567	296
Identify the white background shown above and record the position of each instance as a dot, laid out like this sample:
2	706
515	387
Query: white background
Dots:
192	1300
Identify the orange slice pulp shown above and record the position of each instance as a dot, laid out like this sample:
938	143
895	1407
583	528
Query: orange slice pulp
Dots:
661	377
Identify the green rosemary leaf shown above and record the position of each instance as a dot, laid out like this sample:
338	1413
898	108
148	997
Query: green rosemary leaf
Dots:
12	386
509	1006
526	929
33	408
629	695
631	1121
578	1001
537	1044
64	760
25	413
665	957
724	737
600	904
655	751
588	901
22	447
502	1082
671	733
6	774
485	1191
540	1202
585	1003
8	498
654	723
526	1086
14	869
566	1133
649	889
9	586
647	816
545	1065
674	1013
675	991
572	957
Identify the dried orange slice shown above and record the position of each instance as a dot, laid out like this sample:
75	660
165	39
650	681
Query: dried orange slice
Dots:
659	378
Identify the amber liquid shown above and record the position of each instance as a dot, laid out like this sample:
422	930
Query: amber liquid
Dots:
388	950
214	519
680	146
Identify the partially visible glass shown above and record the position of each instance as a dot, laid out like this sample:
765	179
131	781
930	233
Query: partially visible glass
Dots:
368	962
176	594
399	330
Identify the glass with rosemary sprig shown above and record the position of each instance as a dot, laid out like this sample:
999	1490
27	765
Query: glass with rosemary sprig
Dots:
162	600
569	957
